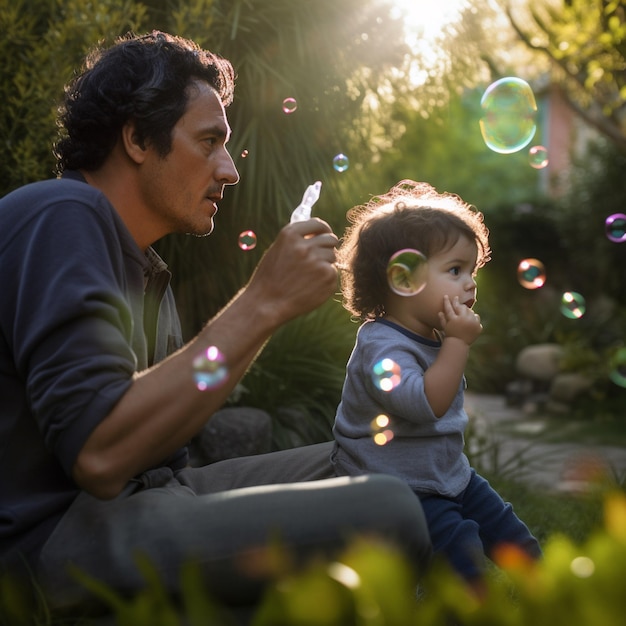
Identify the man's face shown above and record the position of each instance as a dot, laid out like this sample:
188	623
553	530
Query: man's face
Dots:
182	189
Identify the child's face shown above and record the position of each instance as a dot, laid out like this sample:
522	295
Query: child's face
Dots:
451	272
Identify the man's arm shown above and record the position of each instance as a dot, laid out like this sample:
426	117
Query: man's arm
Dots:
163	409
442	379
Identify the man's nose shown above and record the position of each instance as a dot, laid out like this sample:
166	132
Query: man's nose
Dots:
227	172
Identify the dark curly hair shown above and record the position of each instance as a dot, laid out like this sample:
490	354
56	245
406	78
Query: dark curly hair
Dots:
143	78
409	215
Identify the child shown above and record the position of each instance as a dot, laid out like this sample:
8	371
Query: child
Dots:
426	336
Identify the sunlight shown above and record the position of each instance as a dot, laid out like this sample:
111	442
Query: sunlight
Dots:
424	19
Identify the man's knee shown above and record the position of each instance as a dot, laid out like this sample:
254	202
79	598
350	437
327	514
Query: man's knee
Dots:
391	508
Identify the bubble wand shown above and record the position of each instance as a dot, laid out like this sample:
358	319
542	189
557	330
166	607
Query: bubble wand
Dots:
303	211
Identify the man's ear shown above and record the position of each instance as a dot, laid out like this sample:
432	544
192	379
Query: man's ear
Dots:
133	146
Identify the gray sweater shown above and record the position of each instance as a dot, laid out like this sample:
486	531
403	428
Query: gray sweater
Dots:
425	451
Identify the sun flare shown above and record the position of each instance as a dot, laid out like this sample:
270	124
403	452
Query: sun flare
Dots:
425	19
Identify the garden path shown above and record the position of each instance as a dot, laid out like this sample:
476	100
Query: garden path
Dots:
507	440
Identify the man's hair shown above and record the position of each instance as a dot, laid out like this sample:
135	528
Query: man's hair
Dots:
141	78
410	215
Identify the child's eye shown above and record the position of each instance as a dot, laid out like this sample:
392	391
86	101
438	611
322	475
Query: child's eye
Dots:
455	271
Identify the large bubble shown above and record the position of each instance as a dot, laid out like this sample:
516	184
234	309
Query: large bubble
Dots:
407	271
509	113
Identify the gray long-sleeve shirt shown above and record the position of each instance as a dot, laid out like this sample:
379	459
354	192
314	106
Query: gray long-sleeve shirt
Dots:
425	451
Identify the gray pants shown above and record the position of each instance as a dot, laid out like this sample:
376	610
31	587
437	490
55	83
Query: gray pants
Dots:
222	516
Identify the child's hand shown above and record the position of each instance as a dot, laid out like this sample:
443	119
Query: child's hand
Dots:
458	320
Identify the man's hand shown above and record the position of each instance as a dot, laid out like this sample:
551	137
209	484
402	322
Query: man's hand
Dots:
297	273
458	320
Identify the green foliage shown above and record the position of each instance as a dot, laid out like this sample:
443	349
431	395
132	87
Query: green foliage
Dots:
568	236
578	582
445	148
154	606
298	377
42	44
585	41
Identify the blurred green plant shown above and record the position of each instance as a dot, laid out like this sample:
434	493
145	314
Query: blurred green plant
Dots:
576	584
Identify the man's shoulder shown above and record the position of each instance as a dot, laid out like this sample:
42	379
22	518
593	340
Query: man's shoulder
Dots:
53	190
59	203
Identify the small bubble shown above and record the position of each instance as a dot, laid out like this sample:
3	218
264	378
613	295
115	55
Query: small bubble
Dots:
618	368
380	429
383	438
615	226
538	157
573	305
407	271
531	273
244	154
380	421
210	370
341	162
508	115
289	105
247	240
386	374
582	567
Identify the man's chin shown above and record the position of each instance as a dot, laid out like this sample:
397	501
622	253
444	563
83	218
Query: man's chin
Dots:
199	232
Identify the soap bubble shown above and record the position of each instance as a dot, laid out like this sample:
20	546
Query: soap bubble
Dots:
386	374
531	273
244	154
210	369
538	157
381	430
618	368
247	240
573	305
509	110
407	272
289	105
341	162
615	226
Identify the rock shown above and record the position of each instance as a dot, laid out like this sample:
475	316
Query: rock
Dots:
230	433
567	386
539	362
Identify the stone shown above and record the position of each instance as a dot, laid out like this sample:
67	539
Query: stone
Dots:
567	386
232	432
539	362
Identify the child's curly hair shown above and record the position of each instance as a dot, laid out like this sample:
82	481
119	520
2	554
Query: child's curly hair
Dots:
409	215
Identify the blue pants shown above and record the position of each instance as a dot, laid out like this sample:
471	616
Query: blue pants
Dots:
466	528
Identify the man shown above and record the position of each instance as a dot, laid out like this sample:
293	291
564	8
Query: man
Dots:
98	394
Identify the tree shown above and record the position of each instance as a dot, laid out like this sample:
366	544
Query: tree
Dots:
42	43
585	41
